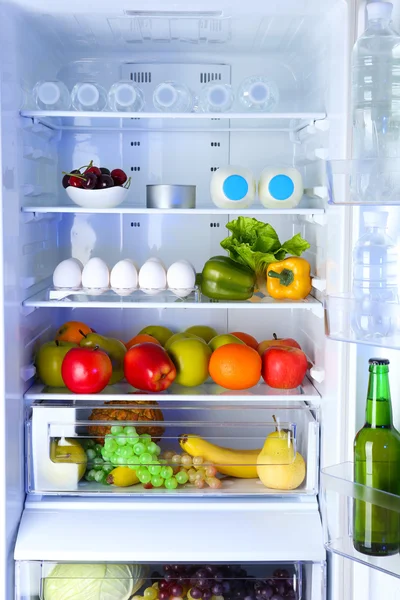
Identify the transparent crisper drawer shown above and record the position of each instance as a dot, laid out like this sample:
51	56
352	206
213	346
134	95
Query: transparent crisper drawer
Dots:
103	448
52	581
342	497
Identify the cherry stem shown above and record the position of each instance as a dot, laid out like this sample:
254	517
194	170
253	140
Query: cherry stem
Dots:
127	183
74	175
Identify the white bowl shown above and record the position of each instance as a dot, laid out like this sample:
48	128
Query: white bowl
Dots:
104	198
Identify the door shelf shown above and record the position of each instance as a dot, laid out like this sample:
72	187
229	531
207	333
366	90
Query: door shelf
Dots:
343	315
207	431
208	392
364	182
138	299
152	121
340	493
46	580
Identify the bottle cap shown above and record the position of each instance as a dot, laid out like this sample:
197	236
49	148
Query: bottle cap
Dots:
125	94
259	92
218	95
235	187
379	361
49	92
281	187
88	94
166	95
379	10
375	219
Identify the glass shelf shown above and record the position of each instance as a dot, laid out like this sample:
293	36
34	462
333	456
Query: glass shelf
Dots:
364	182
339	493
52	205
207	431
341	322
138	299
206	392
83	121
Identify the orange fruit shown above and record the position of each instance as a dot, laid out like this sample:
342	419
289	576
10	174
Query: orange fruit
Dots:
235	367
72	331
249	340
140	339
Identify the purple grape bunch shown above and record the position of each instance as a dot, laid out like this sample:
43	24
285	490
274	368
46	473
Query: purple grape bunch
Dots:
202	582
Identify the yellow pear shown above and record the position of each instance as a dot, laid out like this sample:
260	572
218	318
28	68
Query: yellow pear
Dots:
69	450
278	465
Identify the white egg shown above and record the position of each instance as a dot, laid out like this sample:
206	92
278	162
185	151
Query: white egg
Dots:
152	276
68	274
155	259
181	276
95	274
124	277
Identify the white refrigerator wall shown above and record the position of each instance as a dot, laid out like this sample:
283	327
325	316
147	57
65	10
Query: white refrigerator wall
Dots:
313	39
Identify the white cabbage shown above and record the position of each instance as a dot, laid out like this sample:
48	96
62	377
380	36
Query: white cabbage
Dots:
93	581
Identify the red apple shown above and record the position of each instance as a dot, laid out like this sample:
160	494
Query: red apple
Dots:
148	367
283	367
262	346
86	370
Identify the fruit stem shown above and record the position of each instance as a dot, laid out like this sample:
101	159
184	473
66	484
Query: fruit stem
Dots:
127	183
286	276
57	342
82	334
274	336
74	175
278	427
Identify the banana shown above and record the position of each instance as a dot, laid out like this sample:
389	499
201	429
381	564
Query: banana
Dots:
236	463
122	477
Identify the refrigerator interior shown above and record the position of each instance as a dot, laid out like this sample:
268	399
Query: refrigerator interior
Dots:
296	44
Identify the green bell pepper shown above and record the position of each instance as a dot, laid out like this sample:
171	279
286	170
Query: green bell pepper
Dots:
225	279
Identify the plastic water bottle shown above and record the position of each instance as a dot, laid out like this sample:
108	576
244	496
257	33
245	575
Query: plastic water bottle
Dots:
374	280
376	86
125	96
51	95
258	93
173	97
89	96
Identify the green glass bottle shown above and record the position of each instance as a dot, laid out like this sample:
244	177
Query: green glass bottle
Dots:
376	530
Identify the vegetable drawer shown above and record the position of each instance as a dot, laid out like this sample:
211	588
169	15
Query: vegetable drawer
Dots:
134	448
98	581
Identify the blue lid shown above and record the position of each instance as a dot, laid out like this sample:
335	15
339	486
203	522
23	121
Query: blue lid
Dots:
281	187
235	187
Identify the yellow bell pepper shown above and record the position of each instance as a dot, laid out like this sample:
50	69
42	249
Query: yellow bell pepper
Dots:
289	278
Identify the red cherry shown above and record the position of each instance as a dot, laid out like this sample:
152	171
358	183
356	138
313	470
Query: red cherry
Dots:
75	182
119	176
94	170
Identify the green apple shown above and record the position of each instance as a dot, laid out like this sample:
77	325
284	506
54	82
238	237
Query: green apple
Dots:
190	357
162	334
222	340
203	331
181	336
48	362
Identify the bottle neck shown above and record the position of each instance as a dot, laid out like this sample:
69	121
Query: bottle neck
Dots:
379	407
378	24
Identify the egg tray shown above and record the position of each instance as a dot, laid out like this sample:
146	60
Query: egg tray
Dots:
62	293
